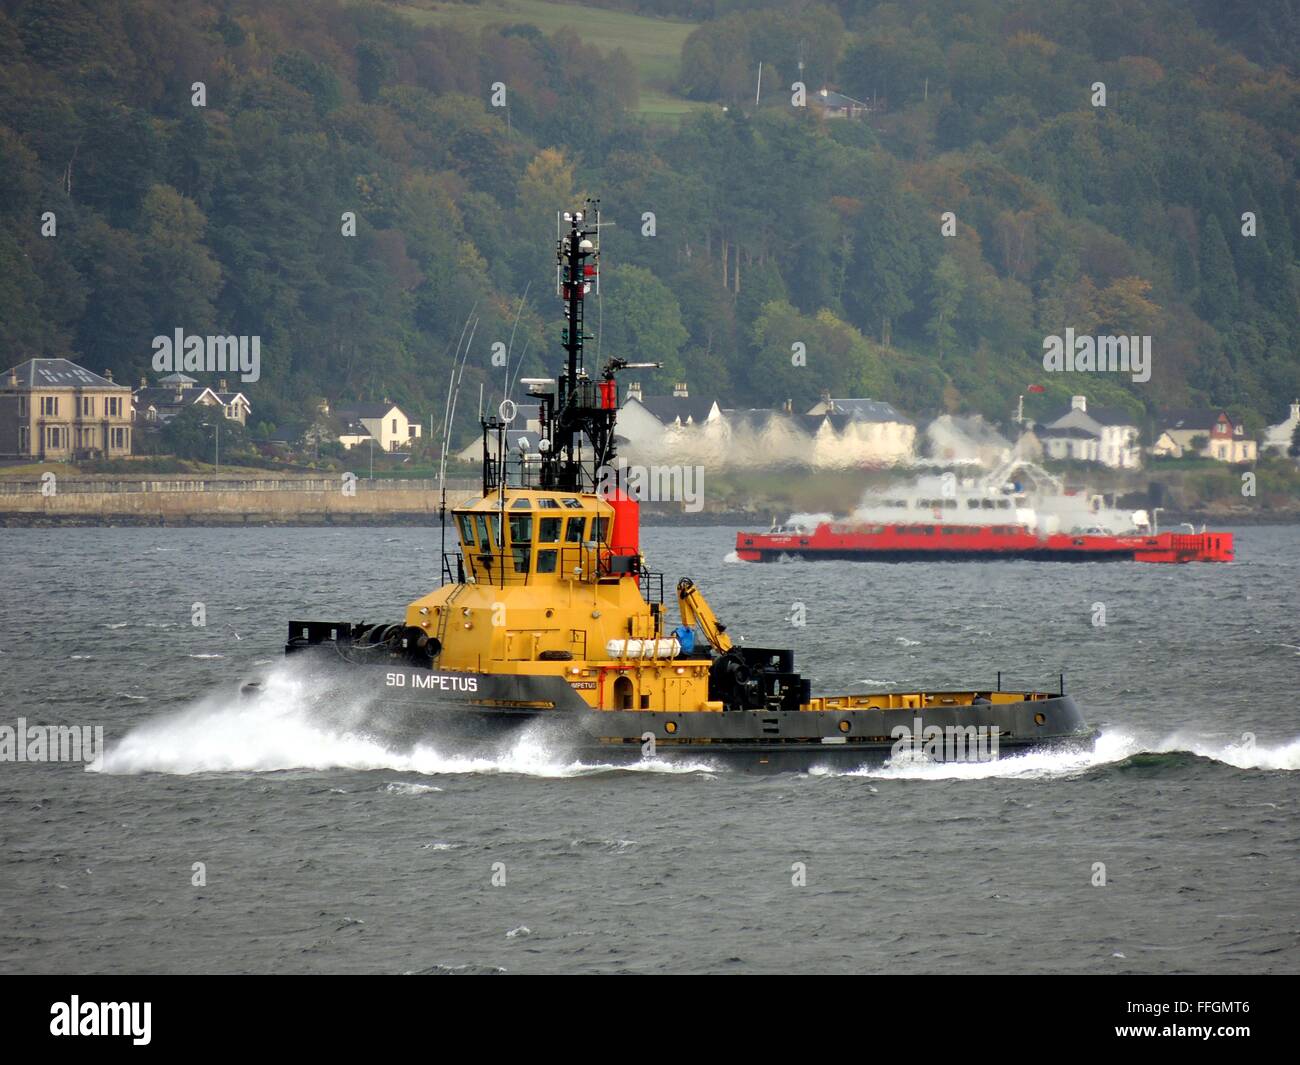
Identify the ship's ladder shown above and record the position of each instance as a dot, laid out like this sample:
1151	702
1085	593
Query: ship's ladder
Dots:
443	618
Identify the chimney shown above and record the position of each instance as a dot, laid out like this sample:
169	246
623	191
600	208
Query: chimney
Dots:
108	375
221	385
634	390
679	391
144	381
789	406
13	377
1295	410
1079	403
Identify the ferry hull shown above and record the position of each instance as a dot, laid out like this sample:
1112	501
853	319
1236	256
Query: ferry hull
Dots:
937	543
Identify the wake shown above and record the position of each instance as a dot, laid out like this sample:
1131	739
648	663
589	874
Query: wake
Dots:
296	724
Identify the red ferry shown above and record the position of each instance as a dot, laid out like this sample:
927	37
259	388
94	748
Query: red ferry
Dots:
940	541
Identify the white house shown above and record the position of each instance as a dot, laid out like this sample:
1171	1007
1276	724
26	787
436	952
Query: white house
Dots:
866	432
1278	437
969	438
159	404
660	426
1224	439
1102	435
385	423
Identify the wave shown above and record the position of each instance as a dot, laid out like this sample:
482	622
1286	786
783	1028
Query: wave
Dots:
296	723
1112	747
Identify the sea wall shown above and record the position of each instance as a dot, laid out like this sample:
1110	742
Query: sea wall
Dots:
319	501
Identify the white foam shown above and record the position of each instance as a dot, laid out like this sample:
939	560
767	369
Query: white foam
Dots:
1111	747
293	724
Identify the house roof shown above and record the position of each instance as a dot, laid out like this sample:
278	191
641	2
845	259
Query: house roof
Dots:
55	373
1100	415
160	397
1194	418
356	411
831	98
177	379
669	408
1072	432
866	410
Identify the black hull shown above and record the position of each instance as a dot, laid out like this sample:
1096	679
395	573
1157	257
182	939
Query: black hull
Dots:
474	713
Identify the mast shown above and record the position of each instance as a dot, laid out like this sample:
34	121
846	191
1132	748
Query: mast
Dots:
577	417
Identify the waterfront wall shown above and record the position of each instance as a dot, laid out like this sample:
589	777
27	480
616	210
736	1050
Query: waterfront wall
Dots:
271	501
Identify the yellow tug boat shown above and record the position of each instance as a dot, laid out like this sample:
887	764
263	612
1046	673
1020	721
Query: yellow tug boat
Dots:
548	614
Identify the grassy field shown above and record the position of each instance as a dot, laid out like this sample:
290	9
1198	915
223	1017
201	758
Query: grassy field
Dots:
654	45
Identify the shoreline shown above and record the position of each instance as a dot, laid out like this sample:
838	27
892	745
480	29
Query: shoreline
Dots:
740	520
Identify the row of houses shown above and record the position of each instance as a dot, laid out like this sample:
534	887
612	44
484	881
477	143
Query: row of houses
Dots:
53	409
840	432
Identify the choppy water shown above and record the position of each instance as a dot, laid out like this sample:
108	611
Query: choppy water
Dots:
327	851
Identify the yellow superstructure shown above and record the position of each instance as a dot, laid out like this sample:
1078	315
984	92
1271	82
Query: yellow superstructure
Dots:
539	591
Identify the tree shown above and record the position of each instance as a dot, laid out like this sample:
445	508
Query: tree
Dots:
1218	294
948	286
642	322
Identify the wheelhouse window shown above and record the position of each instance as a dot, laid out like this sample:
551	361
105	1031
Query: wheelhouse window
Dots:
548	504
599	527
546	561
548	532
466	523
521	528
573	534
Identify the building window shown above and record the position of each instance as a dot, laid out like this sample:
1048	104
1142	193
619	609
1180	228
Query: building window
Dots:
49	406
22	406
23	440
113	406
87	406
394	426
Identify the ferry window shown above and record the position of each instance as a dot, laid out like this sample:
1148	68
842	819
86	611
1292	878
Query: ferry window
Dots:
972	504
548	504
951	504
521	528
521	558
548	532
574	533
466	528
546	561
1004	504
483	540
598	529
572	504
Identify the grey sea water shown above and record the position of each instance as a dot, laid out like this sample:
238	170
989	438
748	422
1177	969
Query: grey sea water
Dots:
325	851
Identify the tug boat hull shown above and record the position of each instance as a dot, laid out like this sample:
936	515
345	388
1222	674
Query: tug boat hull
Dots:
477	712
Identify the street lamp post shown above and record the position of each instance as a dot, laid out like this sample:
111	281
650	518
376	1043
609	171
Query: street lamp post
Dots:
216	427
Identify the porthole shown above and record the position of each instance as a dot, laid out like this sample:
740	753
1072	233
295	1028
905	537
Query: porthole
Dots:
1040	719
844	726
670	727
